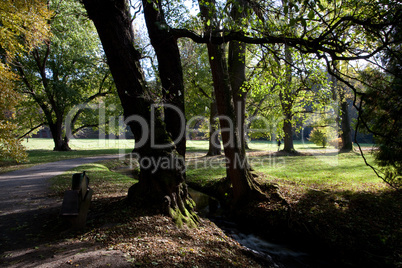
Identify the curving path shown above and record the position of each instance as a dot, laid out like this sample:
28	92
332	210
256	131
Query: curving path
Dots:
27	189
26	208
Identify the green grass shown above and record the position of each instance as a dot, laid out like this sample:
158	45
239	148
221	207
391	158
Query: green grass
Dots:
79	144
324	169
41	151
105	182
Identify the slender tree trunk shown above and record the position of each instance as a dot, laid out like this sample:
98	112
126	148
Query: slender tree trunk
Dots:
287	104
161	183
288	134
214	142
346	134
342	119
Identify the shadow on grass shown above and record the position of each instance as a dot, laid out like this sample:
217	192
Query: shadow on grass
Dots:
360	226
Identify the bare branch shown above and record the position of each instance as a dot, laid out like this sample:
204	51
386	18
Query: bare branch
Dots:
31	130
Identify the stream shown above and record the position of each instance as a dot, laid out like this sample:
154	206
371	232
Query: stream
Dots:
281	254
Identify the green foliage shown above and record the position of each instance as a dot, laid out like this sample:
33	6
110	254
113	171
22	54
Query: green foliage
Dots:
319	137
73	76
292	86
381	113
197	79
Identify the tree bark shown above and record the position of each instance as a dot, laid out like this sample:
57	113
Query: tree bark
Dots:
170	71
287	104
346	134
237	72
214	142
161	183
288	134
244	186
60	142
237	168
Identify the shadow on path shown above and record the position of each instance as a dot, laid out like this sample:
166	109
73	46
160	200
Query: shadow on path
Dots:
29	218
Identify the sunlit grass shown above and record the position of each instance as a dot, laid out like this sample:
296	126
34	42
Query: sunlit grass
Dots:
79	144
324	169
327	170
335	172
41	151
102	180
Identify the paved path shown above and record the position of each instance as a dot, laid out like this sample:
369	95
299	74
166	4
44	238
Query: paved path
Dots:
26	211
26	189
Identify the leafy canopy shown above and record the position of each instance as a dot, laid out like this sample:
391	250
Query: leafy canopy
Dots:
23	25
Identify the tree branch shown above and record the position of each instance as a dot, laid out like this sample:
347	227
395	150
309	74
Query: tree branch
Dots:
31	130
305	45
201	89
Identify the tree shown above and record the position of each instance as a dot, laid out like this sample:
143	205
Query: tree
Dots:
319	137
22	26
170	69
379	114
161	183
340	93
245	188
290	88
377	97
237	70
72	73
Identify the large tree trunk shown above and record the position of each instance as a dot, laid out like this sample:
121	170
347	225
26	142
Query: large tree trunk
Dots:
214	142
170	71
60	143
237	168
244	186
161	183
346	134
237	72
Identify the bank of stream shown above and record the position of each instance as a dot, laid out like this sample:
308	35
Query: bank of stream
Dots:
292	255
289	254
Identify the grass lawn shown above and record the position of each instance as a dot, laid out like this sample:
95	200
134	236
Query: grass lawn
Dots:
41	151
319	168
103	180
324	169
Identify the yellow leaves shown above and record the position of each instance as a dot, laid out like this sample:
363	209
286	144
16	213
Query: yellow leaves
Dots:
23	25
10	147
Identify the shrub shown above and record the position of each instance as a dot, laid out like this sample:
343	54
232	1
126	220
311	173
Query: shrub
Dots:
318	137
